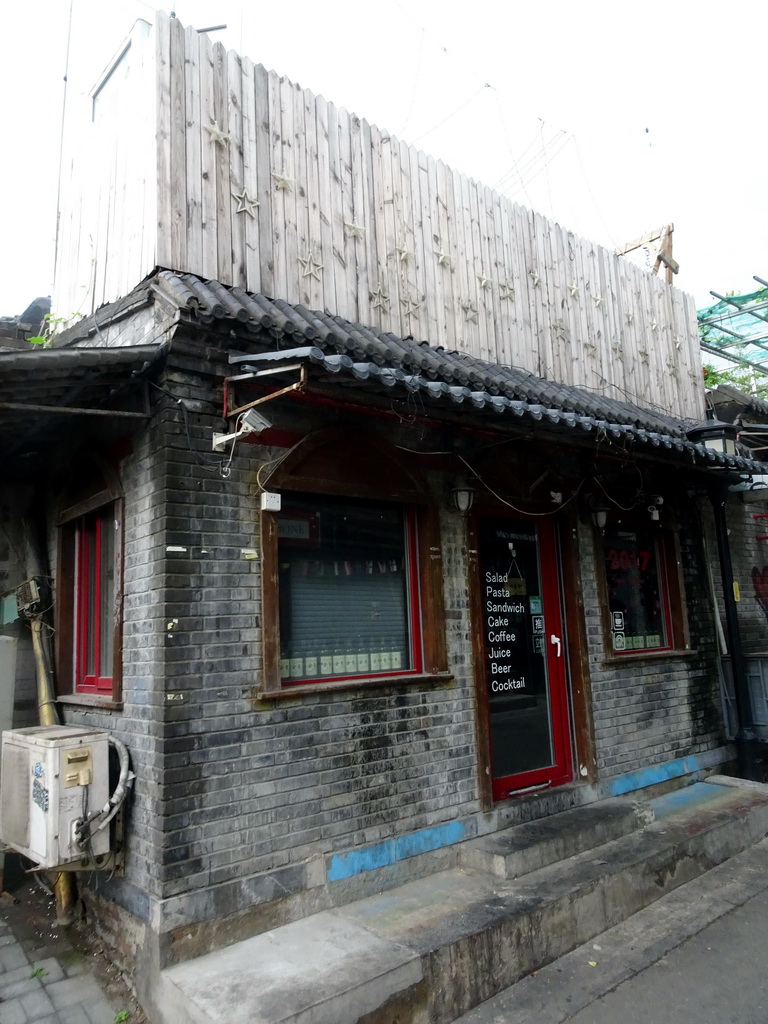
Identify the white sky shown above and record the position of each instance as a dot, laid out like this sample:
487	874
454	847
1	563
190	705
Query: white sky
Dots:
608	116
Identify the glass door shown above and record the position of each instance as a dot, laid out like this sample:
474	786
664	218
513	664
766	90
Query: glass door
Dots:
524	655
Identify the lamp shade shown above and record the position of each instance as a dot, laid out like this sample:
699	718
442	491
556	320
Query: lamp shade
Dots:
463	496
715	434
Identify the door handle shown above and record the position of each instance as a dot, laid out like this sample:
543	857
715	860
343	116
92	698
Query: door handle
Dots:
556	640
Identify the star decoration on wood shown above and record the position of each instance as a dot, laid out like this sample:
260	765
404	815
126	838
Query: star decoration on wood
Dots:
678	342
245	202
404	255
312	266
216	134
673	367
354	230
470	312
410	307
507	291
618	351
559	330
535	278
282	182
599	301
644	355
654	326
574	290
380	299
443	259
630	318
485	282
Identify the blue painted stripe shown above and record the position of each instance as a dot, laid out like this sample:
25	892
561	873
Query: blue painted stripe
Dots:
652	776
345	865
682	799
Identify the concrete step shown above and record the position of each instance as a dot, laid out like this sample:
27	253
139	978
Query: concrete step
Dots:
588	983
524	848
430	950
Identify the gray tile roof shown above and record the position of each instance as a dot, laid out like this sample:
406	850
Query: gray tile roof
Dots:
355	353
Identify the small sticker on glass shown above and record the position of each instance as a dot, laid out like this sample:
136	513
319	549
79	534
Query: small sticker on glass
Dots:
619	642
535	603
537	623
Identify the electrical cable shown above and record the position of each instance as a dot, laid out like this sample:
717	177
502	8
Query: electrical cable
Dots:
61	140
535	159
515	508
84	827
204	460
415	84
452	115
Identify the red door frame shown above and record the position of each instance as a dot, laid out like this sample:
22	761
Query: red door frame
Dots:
561	771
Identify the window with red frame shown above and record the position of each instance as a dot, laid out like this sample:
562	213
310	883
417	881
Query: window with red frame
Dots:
638	589
94	602
348	589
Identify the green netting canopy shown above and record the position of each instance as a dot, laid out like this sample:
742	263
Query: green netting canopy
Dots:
736	327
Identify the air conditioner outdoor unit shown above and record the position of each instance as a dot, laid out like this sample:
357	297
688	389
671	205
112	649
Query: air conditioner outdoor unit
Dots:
52	777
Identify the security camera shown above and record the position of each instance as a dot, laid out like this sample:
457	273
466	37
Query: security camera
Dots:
249	422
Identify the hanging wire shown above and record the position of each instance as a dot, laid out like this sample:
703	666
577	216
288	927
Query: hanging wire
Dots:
521	511
451	115
208	462
61	140
416	80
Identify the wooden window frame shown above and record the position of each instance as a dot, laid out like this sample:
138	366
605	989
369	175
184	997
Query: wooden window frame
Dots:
300	473
69	599
671	580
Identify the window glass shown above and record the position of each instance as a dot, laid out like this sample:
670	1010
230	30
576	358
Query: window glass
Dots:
94	601
636	589
346	582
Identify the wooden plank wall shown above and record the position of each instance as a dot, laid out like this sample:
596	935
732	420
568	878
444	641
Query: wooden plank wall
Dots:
264	185
106	233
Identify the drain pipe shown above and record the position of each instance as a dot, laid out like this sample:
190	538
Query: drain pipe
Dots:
749	762
64	886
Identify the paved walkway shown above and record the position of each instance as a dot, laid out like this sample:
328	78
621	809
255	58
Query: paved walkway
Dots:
51	975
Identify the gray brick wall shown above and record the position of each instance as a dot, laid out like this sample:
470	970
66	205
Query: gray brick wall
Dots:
647	710
139	725
228	788
225	788
747	554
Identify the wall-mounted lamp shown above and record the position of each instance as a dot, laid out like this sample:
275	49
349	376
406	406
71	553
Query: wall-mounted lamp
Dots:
598	513
463	496
249	422
715	434
600	517
653	509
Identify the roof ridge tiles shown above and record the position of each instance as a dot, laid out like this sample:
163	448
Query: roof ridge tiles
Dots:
257	307
311	316
298	322
337	337
198	289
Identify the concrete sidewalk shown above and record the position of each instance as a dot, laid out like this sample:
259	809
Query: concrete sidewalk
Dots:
52	975
697	954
